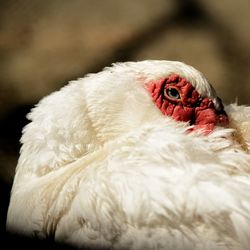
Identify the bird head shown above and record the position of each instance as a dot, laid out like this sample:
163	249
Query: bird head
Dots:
177	97
131	93
89	112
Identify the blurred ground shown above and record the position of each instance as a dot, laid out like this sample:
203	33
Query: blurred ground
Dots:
43	44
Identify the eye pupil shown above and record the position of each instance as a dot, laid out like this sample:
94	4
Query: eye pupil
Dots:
173	93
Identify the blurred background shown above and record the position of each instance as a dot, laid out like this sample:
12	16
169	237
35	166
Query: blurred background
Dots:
46	43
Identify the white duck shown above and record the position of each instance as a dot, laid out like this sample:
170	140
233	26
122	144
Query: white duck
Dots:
139	156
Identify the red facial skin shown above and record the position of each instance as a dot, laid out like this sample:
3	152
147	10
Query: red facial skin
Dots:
176	97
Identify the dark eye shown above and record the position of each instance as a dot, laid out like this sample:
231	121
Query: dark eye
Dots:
172	93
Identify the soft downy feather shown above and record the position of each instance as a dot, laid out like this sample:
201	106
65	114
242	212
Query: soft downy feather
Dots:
101	167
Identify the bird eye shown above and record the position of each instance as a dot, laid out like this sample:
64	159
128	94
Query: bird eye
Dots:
173	93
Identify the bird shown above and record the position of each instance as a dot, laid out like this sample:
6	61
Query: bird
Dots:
141	155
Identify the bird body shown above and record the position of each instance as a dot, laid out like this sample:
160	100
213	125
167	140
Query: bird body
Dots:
102	165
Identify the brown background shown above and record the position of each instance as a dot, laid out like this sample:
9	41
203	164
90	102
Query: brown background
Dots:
45	43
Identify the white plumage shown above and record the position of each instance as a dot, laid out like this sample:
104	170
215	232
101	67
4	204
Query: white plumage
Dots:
100	166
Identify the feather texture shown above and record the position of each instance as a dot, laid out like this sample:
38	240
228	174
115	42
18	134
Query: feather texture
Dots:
100	166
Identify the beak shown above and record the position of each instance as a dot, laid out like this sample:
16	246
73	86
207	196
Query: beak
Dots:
207	116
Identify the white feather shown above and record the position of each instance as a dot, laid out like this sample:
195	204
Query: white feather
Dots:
100	166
